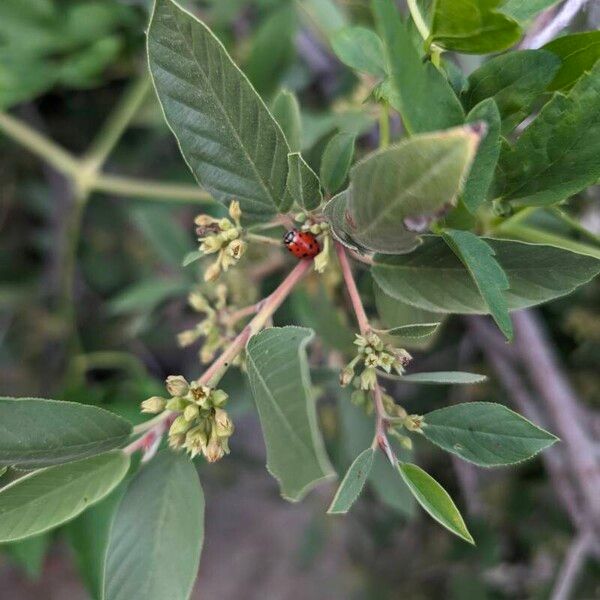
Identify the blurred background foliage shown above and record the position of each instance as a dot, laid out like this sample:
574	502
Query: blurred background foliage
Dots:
111	339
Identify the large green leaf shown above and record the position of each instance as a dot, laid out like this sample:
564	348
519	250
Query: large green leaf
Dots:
88	535
485	433
394	193
435	500
272	50
226	133
523	10
434	279
491	281
472	26
157	533
302	183
514	80
286	110
353	482
336	161
280	382
36	432
360	49
557	155
578	53
49	497
418	91
482	170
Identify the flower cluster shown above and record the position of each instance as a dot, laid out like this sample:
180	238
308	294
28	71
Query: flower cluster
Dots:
217	328
373	354
221	236
202	425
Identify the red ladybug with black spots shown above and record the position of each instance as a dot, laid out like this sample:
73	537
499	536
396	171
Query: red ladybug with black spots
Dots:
302	244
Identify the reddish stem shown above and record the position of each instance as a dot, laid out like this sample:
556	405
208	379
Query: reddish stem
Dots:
357	305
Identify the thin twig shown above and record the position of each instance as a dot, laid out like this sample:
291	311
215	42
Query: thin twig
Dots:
575	558
357	305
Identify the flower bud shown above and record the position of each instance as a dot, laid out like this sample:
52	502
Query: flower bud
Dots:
346	375
374	340
176	441
196	440
211	244
212	272
225	224
218	398
187	337
223	425
232	234
179	425
368	379
191	412
204	220
235	212
315	229
153	405
198	302
413	423
236	249
214	450
177	385
385	361
176	404
300	217
322	259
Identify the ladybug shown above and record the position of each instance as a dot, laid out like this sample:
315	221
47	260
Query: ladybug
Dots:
302	244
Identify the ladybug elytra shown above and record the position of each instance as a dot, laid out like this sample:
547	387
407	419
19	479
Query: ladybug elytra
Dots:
302	244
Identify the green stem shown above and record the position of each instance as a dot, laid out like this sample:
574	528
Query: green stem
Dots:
574	224
39	144
150	190
418	18
384	125
116	124
263	239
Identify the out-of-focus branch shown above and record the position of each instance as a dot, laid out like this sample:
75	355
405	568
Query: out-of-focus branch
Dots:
575	558
550	23
536	351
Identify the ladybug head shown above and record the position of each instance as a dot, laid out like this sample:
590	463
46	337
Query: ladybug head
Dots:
288	238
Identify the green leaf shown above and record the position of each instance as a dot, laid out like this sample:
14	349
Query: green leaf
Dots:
434	279
157	534
395	314
36	432
302	183
49	497
226	133
435	500
88	535
286	111
395	193
473	26
420	93
523	10
272	50
336	161
482	170
147	295
361	49
353	483
578	53
411	331
357	432
444	378
485	433
491	281
557	155
280	383
191	257
514	80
